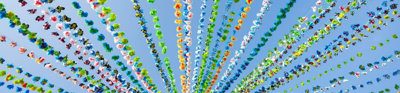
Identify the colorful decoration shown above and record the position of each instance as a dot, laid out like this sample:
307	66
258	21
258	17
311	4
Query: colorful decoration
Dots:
323	37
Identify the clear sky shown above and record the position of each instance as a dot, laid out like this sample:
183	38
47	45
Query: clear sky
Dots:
123	9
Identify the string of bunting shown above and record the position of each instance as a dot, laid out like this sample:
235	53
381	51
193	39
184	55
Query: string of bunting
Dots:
253	75
214	53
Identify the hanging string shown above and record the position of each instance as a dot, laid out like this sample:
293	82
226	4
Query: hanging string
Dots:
11	86
252	75
354	38
188	42
20	82
125	49
92	30
151	45
270	53
210	31
256	50
112	18
162	45
359	54
243	15
335	83
19	70
40	60
221	38
40	42
199	43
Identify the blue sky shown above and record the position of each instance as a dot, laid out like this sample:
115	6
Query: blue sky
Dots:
123	9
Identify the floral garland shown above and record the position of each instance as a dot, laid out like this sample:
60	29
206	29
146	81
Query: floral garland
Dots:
151	45
41	43
99	57
253	76
20	82
142	74
162	45
255	50
214	53
19	70
199	43
210	31
264	63
349	42
372	66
